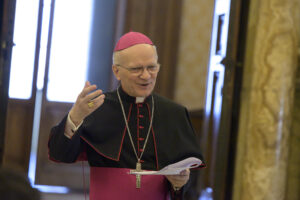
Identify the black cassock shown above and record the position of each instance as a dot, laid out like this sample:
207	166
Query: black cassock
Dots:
104	139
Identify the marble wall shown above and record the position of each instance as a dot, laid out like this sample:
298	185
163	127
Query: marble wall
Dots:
195	35
267	100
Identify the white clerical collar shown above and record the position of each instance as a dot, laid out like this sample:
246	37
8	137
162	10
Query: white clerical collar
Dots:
139	99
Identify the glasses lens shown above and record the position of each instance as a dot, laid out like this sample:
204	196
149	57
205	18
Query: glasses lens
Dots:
136	70
152	68
139	70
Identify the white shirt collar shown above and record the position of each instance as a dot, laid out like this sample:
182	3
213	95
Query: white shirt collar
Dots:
139	99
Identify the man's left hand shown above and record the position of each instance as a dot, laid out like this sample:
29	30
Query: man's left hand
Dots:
180	180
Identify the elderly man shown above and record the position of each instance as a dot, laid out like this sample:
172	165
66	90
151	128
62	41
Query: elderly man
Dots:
130	128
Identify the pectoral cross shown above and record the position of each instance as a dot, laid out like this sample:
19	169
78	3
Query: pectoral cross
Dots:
138	176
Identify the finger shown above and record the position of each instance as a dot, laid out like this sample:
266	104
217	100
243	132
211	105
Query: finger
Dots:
96	102
93	95
177	183
174	177
87	90
99	100
178	178
185	172
86	84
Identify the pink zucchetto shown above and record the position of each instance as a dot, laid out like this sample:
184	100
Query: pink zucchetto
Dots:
130	39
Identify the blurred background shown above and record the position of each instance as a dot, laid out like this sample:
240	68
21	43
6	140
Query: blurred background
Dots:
233	63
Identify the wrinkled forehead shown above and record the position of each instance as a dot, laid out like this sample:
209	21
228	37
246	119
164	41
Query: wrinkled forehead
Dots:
139	54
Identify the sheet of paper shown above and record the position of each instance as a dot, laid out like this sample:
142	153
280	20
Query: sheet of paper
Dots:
173	169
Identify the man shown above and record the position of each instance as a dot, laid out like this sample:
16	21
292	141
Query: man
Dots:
129	128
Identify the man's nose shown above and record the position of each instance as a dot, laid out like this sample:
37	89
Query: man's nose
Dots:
145	74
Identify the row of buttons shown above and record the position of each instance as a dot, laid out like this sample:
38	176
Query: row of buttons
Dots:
140	139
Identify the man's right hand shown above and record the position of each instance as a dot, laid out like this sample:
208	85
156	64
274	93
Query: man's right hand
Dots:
81	108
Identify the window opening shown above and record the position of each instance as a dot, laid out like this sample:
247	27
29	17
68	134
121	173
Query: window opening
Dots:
23	53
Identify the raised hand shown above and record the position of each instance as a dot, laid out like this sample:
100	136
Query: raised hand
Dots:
87	102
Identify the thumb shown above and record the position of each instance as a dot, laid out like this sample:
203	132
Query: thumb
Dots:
185	172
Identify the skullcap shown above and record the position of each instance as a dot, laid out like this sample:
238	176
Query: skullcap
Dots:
131	39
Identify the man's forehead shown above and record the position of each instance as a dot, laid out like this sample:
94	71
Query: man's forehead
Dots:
137	54
130	39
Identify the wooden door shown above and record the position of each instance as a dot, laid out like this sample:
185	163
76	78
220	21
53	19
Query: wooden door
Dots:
7	10
19	117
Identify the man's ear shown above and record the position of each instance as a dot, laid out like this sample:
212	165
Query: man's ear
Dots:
116	72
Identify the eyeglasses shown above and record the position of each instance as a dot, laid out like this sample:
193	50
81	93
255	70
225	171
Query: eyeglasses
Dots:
152	69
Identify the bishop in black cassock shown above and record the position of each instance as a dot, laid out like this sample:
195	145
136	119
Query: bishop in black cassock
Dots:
120	129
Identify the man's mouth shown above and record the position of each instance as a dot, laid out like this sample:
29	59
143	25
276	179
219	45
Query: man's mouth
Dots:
144	84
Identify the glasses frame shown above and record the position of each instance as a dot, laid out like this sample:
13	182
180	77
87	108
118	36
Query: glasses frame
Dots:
140	69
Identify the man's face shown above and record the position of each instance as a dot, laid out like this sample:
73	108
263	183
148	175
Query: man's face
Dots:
137	84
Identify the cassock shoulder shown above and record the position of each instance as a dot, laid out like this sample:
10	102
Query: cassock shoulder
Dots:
109	106
170	111
111	96
168	104
100	129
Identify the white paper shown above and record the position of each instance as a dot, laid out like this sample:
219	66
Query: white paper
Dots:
173	169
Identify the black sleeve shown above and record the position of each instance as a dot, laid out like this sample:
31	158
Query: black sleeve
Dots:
60	147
